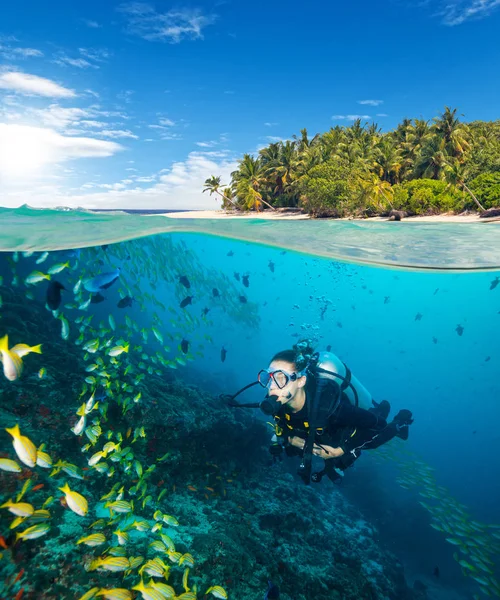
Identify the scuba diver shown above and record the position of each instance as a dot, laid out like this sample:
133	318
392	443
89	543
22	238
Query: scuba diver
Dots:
317	405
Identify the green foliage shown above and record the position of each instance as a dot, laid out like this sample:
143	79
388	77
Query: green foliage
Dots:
359	170
326	190
426	197
487	189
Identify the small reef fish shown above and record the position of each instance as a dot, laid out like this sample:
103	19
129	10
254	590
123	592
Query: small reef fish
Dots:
187	300
110	563
236	276
42	258
184	281
90	595
245	281
6	464
97	298
12	363
217	591
117	350
223	354
24	447
33	532
101	282
185	346
95	539
243	299
125	302
494	283
55	269
459	329
53	294
215	293
64	327
20	509
76	502
36	277
271	266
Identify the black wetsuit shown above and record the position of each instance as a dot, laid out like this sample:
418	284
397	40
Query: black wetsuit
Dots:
348	427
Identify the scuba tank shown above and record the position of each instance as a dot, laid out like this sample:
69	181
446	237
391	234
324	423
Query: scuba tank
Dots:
329	366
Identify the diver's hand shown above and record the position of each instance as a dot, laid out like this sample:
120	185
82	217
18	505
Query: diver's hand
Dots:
296	441
327	452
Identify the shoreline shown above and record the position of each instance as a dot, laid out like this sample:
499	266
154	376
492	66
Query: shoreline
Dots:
221	214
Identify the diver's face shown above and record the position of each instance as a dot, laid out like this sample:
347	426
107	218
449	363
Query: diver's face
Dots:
286	394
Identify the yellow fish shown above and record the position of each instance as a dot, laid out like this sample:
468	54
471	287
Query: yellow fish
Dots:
217	591
9	465
20	509
24	447
23	349
12	363
95	539
117	350
90	594
115	594
33	532
110	563
76	502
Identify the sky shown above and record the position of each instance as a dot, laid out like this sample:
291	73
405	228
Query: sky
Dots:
134	104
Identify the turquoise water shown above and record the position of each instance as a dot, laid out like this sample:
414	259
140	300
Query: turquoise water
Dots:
425	338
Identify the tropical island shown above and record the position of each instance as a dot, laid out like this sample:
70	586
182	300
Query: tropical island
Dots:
420	168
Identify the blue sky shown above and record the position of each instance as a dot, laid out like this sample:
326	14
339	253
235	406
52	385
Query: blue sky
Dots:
113	104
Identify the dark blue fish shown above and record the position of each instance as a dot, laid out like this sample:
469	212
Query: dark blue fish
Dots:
237	276
185	281
97	298
418	317
245	281
223	354
230	253
459	329
273	591
328	348
494	283
185	346
243	300
53	295
271	266
101	282
187	300
215	293
205	312
124	302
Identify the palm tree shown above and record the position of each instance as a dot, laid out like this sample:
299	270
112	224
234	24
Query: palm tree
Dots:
376	192
212	185
455	175
432	159
247	180
388	161
455	135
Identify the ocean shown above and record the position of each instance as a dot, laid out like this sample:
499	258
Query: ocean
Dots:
133	469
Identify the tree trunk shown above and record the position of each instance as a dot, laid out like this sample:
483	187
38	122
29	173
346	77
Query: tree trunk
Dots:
264	202
228	199
473	197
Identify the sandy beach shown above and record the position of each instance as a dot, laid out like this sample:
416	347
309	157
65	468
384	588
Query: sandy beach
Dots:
268	215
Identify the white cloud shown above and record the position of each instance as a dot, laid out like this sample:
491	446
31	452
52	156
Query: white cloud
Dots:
350	117
371	102
268	124
166	122
89	58
273	138
172	26
91	24
229	92
25	149
381	115
13	53
210	144
179	187
118	133
459	11
80	63
32	85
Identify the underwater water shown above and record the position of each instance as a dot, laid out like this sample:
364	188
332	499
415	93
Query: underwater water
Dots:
133	478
